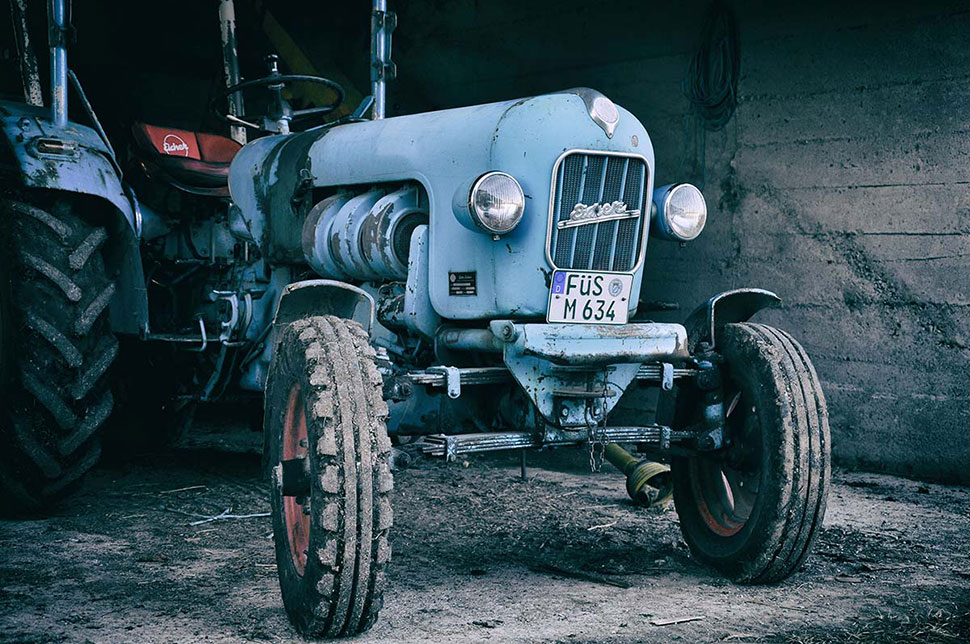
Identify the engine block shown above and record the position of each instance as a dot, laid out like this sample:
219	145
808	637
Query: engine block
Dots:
365	235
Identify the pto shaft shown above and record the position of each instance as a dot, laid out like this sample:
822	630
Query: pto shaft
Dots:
647	483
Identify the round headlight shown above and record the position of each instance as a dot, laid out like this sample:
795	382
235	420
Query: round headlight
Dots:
683	212
496	202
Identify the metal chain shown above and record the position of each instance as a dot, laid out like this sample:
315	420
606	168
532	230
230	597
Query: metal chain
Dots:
597	437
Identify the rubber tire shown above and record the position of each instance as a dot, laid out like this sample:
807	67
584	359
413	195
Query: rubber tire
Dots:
341	590
795	464
56	396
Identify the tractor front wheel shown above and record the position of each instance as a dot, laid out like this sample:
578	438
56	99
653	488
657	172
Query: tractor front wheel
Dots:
327	452
753	509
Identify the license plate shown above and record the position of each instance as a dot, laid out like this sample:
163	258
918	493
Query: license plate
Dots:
589	298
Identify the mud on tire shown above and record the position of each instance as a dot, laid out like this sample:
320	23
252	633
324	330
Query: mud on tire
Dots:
57	350
753	512
324	403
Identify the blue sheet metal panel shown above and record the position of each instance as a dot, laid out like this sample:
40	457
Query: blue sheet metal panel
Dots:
253	175
444	151
419	315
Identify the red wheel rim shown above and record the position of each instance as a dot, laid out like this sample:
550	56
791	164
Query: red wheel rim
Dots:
725	486
295	516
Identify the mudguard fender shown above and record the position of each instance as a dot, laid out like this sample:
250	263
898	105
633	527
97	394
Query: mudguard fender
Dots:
73	159
737	305
324	297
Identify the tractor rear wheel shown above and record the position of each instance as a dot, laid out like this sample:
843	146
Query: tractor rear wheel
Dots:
328	452
753	509
55	351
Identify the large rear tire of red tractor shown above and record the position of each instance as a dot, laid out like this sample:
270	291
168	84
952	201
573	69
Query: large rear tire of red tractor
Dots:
753	510
55	350
328	455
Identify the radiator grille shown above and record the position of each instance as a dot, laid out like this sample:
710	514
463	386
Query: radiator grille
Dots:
598	178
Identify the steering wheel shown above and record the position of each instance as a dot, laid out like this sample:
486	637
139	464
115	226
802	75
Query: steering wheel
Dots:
278	114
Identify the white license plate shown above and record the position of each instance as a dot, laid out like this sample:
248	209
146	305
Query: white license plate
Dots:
583	297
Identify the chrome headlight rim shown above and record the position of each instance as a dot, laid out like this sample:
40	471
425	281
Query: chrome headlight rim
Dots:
671	230
476	216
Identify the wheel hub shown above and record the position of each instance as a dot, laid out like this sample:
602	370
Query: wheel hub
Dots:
296	479
726	485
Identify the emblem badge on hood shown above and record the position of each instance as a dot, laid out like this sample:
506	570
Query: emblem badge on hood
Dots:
597	213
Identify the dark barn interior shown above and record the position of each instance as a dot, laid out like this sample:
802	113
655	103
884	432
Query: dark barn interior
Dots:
838	183
836	177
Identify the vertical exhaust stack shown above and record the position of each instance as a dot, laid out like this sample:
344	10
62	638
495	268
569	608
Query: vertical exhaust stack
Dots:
382	68
57	16
230	65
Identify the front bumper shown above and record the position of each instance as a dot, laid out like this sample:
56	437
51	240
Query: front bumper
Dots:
594	344
575	374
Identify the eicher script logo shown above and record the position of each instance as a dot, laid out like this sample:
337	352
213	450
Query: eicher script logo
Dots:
597	213
175	145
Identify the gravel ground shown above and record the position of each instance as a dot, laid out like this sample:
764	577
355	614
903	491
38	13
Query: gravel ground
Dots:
479	554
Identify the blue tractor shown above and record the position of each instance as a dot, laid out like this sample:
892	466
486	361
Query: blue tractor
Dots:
470	277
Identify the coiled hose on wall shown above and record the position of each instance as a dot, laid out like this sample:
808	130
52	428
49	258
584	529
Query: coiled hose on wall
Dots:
711	83
711	87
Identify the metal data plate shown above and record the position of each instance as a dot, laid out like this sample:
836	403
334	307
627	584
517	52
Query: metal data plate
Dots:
588	297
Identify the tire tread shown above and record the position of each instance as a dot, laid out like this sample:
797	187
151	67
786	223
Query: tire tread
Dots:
789	526
341	593
64	349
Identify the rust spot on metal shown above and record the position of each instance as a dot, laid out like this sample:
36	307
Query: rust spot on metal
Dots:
371	232
547	275
335	251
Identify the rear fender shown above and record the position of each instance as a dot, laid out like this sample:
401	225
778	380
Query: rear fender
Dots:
74	159
71	158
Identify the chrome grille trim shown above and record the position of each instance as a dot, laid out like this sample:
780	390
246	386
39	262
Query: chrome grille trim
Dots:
591	176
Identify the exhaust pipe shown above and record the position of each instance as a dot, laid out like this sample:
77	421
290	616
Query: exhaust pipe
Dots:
57	15
382	68
647	483
230	65
25	50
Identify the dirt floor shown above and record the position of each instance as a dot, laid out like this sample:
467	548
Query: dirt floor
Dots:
479	554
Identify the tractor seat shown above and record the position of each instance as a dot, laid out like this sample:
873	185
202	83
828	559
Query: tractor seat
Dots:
192	161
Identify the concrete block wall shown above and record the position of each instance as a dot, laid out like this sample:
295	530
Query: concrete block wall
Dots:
848	193
842	183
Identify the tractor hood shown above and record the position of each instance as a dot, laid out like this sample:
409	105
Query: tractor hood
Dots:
445	151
